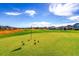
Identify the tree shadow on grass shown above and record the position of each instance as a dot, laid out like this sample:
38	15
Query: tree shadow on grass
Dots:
16	49
22	44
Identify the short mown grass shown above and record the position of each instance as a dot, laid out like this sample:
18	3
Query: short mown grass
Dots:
51	43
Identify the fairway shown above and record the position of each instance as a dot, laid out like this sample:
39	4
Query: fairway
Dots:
50	44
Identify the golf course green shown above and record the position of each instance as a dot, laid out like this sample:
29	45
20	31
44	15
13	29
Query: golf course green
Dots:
40	43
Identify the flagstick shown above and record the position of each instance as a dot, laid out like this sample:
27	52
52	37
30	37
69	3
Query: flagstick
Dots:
31	32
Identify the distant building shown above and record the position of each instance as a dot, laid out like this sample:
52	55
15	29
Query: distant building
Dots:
52	28
76	26
60	28
7	28
69	27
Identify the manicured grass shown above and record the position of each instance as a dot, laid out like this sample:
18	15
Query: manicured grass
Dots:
51	43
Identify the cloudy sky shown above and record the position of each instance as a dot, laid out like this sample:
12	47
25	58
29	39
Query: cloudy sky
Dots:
39	14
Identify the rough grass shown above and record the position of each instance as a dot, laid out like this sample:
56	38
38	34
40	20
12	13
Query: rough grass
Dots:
24	32
51	43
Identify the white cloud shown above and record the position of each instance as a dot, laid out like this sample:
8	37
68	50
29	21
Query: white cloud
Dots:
61	9
74	18
39	24
46	24
30	12
12	13
64	24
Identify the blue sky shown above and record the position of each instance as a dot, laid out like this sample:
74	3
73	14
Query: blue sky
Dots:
38	14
